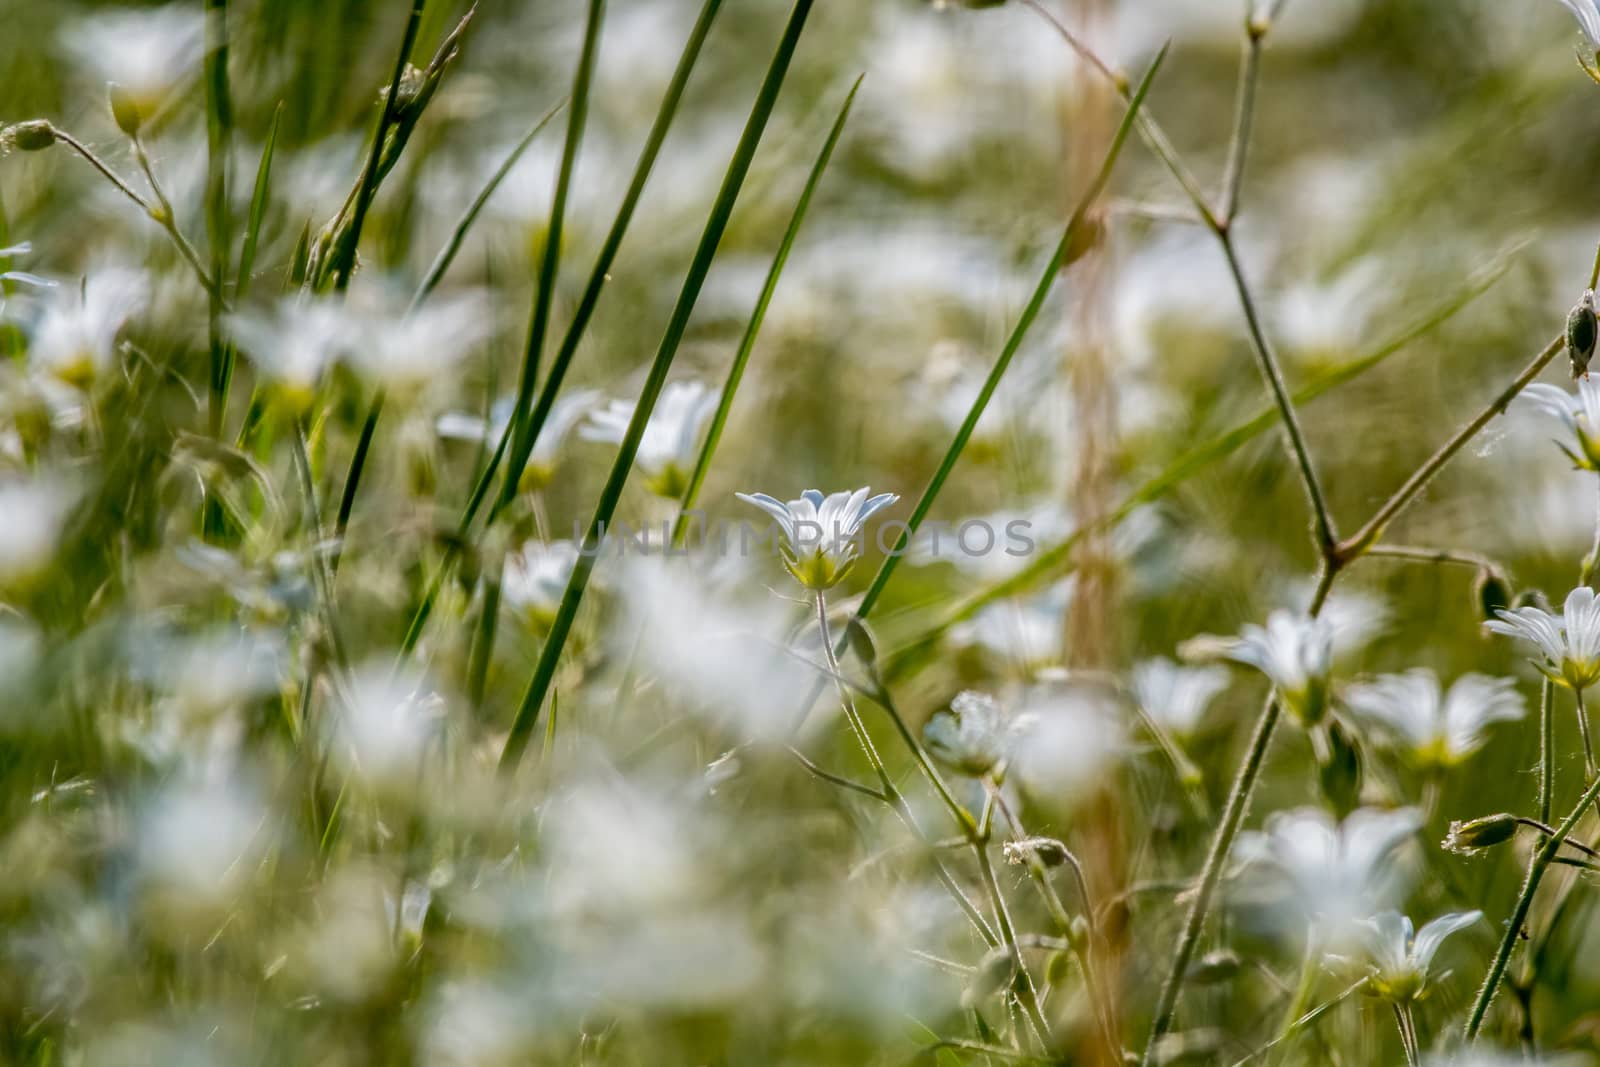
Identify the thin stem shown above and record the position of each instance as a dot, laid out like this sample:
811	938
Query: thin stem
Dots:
483	639
1592	561
856	725
1442	556
1546	747
1537	865
1408	1033
1583	732
835	779
168	221
1364	538
1027	993
219	133
1546	830
1244	115
1327	539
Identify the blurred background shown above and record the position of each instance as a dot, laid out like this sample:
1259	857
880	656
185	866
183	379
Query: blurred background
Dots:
186	882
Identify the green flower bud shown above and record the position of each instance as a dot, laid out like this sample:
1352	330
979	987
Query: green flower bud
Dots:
31	136
1047	850
1475	835
993	974
1340	769
1582	331
1493	591
1214	968
124	109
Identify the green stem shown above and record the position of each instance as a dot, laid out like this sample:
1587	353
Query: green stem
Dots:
219	130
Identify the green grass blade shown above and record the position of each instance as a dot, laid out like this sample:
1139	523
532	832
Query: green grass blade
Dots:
550	261
1029	314
716	226
719	420
1053	562
608	254
258	210
447	254
219	131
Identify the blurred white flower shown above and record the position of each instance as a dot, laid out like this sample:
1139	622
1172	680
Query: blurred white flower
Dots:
973	735
1397	956
1294	651
347	949
198	845
75	339
383	726
566	413
35	512
145	51
1569	643
535	578
668	449
1026	632
1587	12
1579	413
1328	873
1068	740
821	533
214	672
408	351
1353	616
1174	696
293	344
477	1023
1438	729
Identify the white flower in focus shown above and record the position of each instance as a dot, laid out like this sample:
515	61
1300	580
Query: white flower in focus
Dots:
1328	873
293	345
667	450
76	338
973	735
384	725
1174	696
1294	651
1587	12
1397	956
147	52
1579	413
536	577
408	351
820	533
1569	643
35	512
1439	729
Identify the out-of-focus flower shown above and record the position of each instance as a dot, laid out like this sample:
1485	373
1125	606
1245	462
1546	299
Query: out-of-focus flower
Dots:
147	52
75	339
22	276
35	511
294	343
1068	738
347	950
565	414
1580	414
1294	651
1026	632
536	577
1439	729
1397	956
973	735
1354	617
198	846
1569	643
1331	874
1174	696
667	450
821	533
407	351
383	726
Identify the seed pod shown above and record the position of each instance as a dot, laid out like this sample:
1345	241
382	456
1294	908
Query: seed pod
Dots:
993	974
1582	330
1340	770
1493	591
124	109
31	136
1474	835
1214	968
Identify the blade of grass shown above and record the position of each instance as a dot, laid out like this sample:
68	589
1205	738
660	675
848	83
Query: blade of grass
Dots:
219	131
575	330
550	260
710	240
736	372
1047	280
602	264
258	210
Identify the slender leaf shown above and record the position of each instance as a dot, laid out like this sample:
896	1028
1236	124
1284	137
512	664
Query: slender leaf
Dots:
710	240
258	209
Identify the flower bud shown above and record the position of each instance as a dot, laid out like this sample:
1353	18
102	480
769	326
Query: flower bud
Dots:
1582	330
1047	850
1340	769
124	109
1474	835
993	974
1493	592
1214	968
31	136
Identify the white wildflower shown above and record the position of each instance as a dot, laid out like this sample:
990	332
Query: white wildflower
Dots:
1569	643
383	726
668	448
146	52
1579	413
35	512
407	351
1587	12
536	577
293	344
1440	729
1174	696
1397	956
821	533
1294	651
566	413
973	735
76	338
